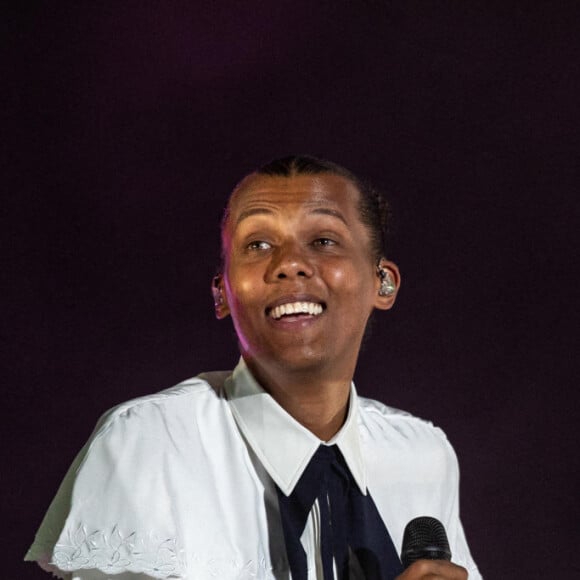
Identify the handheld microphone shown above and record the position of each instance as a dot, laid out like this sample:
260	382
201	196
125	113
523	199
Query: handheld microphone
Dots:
424	538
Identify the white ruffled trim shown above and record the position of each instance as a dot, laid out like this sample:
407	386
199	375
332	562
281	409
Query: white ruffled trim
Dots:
114	552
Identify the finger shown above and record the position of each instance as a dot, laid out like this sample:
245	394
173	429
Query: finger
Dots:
434	570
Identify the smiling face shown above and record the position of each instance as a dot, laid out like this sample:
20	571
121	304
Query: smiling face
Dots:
300	278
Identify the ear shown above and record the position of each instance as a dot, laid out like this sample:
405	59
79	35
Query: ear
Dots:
219	297
388	272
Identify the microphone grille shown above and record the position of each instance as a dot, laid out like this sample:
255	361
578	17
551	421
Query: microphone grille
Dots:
424	538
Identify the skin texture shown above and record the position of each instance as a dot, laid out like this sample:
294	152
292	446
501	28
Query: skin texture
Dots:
291	239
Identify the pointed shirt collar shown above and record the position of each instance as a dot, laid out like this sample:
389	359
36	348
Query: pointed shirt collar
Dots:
283	445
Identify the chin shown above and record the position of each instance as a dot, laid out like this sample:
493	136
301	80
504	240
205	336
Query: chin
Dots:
300	361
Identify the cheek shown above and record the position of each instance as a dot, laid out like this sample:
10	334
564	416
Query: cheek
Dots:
350	279
243	292
342	280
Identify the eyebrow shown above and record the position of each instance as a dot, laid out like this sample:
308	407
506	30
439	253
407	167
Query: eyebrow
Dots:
253	211
316	210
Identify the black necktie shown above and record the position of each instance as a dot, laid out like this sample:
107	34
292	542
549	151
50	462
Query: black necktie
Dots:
349	520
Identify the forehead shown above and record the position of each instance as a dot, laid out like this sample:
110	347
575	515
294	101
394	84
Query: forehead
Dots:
299	192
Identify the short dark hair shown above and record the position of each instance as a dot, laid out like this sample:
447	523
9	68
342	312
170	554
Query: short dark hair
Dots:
374	209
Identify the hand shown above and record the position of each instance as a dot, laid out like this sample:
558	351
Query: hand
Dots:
433	570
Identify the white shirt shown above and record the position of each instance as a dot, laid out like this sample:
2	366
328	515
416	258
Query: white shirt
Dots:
181	484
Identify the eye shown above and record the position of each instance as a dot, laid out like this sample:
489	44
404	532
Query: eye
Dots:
324	242
259	245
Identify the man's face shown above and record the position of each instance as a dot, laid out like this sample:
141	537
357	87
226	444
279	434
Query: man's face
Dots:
300	279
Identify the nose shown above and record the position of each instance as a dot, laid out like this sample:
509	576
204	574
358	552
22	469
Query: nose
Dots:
289	261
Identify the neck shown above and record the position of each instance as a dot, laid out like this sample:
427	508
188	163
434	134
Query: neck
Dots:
317	400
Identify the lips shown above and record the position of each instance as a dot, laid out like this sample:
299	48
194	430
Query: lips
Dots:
295	306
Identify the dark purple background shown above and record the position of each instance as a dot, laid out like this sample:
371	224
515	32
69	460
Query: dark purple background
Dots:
126	125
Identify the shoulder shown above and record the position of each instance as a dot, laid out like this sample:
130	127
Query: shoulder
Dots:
383	417
192	397
164	424
402	438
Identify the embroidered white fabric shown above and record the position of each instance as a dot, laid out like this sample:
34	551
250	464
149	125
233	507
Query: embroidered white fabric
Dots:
180	485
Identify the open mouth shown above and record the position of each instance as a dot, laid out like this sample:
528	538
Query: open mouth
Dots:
295	309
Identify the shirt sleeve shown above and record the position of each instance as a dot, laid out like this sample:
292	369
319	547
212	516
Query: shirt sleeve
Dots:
96	523
98	575
413	471
459	547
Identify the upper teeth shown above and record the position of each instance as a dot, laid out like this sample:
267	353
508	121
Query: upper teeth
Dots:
296	308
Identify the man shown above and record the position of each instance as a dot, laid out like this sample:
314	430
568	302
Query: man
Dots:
278	468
